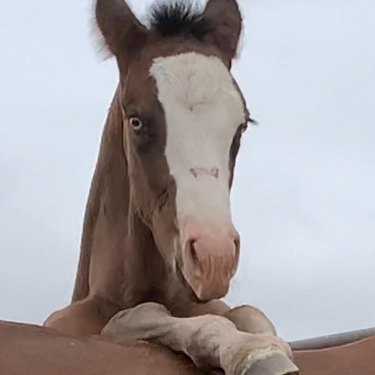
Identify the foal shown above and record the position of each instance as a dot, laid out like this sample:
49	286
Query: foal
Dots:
159	248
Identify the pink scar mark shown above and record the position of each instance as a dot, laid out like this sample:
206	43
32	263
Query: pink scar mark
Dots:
196	172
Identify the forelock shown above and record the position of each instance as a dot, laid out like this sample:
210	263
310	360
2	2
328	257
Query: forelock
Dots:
179	19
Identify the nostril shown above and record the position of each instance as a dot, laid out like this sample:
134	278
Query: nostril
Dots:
192	251
237	245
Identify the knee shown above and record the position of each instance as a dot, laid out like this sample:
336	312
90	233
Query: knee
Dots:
250	319
143	312
54	318
143	315
78	319
150	307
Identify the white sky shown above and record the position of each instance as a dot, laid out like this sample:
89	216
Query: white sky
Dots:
304	196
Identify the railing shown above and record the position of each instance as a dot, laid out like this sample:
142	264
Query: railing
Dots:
332	340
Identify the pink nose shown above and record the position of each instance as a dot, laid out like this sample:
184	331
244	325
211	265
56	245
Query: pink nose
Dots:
210	260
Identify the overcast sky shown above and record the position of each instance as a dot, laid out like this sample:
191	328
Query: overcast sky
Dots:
304	195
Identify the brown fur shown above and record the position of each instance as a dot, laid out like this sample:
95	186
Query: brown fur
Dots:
32	350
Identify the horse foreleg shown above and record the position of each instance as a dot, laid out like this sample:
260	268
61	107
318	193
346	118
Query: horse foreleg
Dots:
210	341
247	319
82	318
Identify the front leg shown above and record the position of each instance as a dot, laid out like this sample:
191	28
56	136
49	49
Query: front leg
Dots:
246	318
211	341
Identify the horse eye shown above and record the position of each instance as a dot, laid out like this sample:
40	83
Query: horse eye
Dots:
136	123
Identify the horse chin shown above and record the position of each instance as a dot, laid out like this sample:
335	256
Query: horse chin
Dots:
188	289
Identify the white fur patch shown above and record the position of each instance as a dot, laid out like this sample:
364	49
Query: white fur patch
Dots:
203	111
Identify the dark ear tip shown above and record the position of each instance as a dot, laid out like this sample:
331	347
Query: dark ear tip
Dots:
226	20
122	32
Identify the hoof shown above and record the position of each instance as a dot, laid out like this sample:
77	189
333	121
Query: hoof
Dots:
278	364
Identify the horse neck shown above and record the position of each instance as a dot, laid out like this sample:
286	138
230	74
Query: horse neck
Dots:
117	249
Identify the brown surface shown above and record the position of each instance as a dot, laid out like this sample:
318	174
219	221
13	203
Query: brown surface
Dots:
33	350
357	358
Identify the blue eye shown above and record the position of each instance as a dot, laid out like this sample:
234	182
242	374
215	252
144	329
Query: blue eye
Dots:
136	123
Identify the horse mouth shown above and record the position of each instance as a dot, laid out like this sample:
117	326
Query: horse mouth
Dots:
190	292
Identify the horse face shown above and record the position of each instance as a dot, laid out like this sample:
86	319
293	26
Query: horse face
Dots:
183	119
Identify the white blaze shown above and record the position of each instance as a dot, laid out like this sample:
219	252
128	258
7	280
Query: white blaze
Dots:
203	110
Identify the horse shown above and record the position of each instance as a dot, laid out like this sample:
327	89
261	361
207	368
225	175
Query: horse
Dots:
159	248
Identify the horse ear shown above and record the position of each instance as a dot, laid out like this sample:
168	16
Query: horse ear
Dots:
225	25
122	32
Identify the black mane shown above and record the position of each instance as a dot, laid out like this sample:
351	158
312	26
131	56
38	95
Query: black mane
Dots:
181	18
